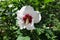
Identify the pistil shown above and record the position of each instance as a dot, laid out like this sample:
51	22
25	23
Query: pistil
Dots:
27	21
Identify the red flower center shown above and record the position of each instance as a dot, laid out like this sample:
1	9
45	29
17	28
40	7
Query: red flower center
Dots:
29	17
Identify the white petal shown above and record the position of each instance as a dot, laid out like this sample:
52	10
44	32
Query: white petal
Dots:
30	26
26	10
37	16
21	24
19	14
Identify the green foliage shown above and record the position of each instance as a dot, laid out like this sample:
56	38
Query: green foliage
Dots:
23	38
47	1
47	29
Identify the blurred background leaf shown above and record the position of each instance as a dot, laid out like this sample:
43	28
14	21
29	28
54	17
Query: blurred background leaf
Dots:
23	38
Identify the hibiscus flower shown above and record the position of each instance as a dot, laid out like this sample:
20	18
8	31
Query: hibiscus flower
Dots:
26	17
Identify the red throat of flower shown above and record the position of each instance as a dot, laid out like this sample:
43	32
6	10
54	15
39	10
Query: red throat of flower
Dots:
28	18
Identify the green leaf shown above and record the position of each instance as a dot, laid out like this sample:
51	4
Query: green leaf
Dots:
40	31
23	38
47	1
